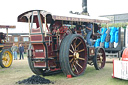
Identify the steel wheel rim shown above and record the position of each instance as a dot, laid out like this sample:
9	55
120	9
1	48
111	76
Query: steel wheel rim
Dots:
77	56
6	58
100	58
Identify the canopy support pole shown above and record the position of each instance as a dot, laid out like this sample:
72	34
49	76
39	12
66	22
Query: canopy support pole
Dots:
45	25
7	33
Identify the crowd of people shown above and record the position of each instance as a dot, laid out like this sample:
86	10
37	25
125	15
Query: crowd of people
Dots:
14	50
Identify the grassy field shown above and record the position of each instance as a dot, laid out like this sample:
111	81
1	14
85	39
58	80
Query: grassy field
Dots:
20	70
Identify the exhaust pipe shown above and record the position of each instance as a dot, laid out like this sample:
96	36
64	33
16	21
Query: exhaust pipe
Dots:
84	7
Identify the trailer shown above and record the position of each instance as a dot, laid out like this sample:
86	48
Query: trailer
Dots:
122	44
55	47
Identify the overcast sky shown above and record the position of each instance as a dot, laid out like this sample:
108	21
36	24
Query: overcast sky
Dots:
10	9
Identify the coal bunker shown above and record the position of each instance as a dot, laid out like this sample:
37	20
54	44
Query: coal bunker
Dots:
35	79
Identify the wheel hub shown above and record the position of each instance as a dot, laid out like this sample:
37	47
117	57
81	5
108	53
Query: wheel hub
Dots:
5	59
76	55
101	58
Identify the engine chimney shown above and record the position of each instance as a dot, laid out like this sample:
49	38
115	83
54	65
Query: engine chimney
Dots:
84	7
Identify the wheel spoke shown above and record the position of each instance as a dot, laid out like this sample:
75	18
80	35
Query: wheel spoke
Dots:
8	62
4	62
72	64
71	60
78	44
70	55
98	58
81	50
99	54
81	58
79	65
75	68
2	58
75	43
98	61
72	47
70	50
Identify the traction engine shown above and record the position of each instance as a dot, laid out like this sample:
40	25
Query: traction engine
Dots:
55	48
6	57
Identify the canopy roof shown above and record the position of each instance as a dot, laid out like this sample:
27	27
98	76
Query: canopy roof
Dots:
65	17
7	26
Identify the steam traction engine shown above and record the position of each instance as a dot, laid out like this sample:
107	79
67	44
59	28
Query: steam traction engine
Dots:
5	54
54	47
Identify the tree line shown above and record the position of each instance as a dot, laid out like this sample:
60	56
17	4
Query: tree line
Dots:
115	25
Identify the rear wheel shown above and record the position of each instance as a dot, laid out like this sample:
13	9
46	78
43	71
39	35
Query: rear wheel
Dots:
31	63
73	55
99	58
6	58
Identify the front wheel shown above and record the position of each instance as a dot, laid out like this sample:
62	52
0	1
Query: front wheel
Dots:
99	58
6	58
73	55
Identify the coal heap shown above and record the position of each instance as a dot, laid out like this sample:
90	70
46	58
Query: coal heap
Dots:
35	79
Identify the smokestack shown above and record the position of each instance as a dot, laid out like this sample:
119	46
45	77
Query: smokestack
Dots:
84	7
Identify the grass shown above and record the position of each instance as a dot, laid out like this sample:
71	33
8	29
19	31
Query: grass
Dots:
90	77
20	70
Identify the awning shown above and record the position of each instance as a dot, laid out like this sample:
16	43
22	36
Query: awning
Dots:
65	17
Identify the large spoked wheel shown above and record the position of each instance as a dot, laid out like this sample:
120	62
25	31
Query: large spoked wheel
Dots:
73	55
6	58
31	63
99	58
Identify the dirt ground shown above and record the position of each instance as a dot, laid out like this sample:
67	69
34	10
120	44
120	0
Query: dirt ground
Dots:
20	70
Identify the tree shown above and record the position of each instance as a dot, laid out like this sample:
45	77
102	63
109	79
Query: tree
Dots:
115	25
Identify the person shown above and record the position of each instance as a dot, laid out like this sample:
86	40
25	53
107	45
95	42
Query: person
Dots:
83	31
89	29
21	51
14	49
